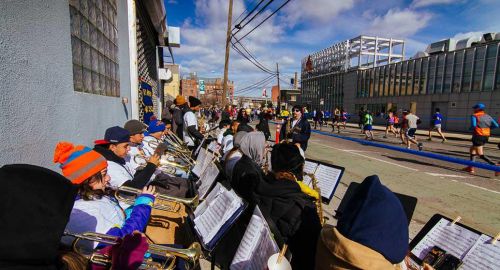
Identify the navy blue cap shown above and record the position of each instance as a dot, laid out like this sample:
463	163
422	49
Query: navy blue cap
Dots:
479	106
115	134
375	218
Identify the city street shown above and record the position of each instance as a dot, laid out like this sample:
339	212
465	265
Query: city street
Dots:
441	187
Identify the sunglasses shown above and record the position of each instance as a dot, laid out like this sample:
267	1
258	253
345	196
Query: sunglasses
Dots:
296	110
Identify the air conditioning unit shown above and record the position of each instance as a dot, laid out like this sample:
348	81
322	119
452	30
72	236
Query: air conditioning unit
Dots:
489	37
467	42
441	46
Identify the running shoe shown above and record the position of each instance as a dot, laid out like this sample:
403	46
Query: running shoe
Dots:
443	141
469	169
429	139
420	146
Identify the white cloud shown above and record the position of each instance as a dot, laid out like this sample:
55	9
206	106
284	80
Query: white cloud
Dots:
315	11
425	3
399	23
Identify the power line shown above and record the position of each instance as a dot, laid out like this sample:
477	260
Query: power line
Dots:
254	60
286	2
253	88
237	25
257	84
254	16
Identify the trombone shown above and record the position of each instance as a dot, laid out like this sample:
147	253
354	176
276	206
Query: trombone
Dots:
177	151
165	165
191	203
191	255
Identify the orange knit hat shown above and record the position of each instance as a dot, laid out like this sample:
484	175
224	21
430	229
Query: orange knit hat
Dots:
78	163
179	100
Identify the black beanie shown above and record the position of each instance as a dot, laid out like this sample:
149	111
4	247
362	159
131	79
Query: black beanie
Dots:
34	210
193	102
286	157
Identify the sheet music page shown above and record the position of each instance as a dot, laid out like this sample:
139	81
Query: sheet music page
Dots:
256	246
213	146
207	179
218	189
454	239
216	214
327	177
483	255
200	162
310	167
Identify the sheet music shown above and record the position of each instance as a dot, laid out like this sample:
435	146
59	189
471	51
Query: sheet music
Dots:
200	147
327	177
256	246
454	239
310	167
203	157
483	255
207	178
215	211
213	146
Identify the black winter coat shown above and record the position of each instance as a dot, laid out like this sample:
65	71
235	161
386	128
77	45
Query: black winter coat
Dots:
301	132
294	215
246	177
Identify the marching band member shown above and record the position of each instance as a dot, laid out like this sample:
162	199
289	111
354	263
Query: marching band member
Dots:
38	247
136	129
371	233
233	155
227	139
154	137
223	126
192	136
293	212
300	129
178	115
95	209
114	148
247	171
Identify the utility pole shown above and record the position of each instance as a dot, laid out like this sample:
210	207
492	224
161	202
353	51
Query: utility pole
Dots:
279	89
226	61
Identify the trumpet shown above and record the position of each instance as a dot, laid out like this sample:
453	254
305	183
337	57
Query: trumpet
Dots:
319	205
191	255
191	203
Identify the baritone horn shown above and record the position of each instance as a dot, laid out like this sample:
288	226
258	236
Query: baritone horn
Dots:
191	203
165	165
191	255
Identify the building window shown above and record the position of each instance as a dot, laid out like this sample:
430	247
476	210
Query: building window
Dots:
431	74
404	71
489	69
398	79
423	76
448	74
457	72
468	62
478	68
439	73
94	46
416	77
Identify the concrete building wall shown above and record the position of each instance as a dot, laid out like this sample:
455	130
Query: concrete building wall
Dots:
172	88
38	104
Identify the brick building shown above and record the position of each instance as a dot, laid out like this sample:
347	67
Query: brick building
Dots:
213	89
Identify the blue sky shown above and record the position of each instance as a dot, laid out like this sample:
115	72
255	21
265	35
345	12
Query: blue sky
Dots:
306	26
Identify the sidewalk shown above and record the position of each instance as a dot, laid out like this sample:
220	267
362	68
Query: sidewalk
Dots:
422	132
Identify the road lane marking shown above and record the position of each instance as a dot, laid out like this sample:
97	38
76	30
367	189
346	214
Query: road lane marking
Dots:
377	159
447	175
471	185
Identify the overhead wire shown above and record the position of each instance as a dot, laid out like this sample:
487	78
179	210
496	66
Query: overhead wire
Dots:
248	14
257	84
253	29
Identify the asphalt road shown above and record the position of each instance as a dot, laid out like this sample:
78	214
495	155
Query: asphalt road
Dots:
440	187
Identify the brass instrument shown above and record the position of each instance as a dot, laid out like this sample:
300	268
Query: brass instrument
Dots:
175	150
191	255
192	203
288	130
165	165
319	204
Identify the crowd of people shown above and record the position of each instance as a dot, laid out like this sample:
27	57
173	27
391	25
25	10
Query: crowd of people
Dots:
47	207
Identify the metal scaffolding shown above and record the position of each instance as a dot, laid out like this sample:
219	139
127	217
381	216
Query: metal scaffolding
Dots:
358	52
